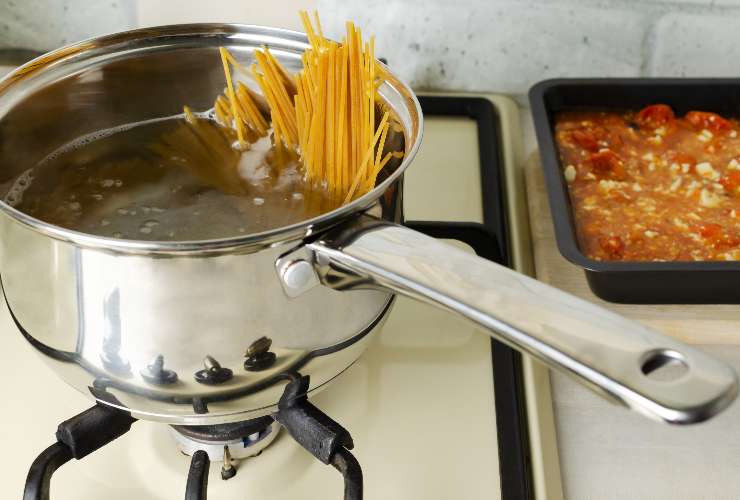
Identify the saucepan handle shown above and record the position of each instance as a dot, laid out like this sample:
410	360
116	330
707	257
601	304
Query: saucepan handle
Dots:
603	350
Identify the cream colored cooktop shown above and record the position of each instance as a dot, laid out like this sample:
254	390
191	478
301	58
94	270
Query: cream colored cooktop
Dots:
419	403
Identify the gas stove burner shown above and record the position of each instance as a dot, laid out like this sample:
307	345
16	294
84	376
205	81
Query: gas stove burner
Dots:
242	439
94	428
325	439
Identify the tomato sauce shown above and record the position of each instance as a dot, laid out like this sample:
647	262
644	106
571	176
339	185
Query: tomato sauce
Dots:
651	186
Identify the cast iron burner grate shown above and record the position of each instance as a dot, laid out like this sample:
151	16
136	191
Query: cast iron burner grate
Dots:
327	440
96	427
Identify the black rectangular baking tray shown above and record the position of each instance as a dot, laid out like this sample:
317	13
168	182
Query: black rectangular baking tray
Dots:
633	282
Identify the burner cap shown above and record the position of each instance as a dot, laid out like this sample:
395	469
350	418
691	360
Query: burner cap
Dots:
243	439
224	432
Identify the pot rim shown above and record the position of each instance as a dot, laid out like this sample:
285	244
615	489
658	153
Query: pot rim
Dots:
91	50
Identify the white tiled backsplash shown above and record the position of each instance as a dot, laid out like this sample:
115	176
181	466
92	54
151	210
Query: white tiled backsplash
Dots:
480	45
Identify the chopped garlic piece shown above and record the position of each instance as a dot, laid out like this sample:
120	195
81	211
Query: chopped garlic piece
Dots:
705	169
679	223
675	167
733	165
650	234
685	168
570	173
676	184
636	187
648	157
705	136
709	199
733	133
660	130
608	185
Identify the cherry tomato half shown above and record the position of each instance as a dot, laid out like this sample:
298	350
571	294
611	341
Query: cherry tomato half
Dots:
710	230
654	116
705	120
607	161
586	139
731	180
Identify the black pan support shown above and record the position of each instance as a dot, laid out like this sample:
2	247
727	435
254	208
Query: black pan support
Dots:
94	428
324	438
76	438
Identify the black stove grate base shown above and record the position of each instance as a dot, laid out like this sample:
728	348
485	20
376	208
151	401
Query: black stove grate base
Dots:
94	428
76	438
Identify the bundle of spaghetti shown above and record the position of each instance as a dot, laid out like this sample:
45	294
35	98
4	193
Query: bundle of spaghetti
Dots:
327	112
341	147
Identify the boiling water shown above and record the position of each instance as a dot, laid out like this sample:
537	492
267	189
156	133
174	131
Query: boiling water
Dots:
170	180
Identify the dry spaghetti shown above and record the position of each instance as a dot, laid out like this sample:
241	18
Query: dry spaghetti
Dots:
327	112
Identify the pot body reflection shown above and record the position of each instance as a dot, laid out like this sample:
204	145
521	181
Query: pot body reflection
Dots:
104	320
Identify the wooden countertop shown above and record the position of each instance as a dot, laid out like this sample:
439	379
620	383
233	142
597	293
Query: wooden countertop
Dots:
694	324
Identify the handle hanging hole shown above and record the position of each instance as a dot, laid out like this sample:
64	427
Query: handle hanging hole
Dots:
664	366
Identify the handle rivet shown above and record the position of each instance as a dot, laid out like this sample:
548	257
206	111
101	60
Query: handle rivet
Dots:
298	275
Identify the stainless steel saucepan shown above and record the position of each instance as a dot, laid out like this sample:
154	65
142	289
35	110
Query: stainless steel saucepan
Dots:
208	332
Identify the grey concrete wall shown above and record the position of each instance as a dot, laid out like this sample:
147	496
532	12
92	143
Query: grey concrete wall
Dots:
47	24
507	45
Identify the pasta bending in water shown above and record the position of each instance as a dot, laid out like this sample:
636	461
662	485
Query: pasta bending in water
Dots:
326	113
